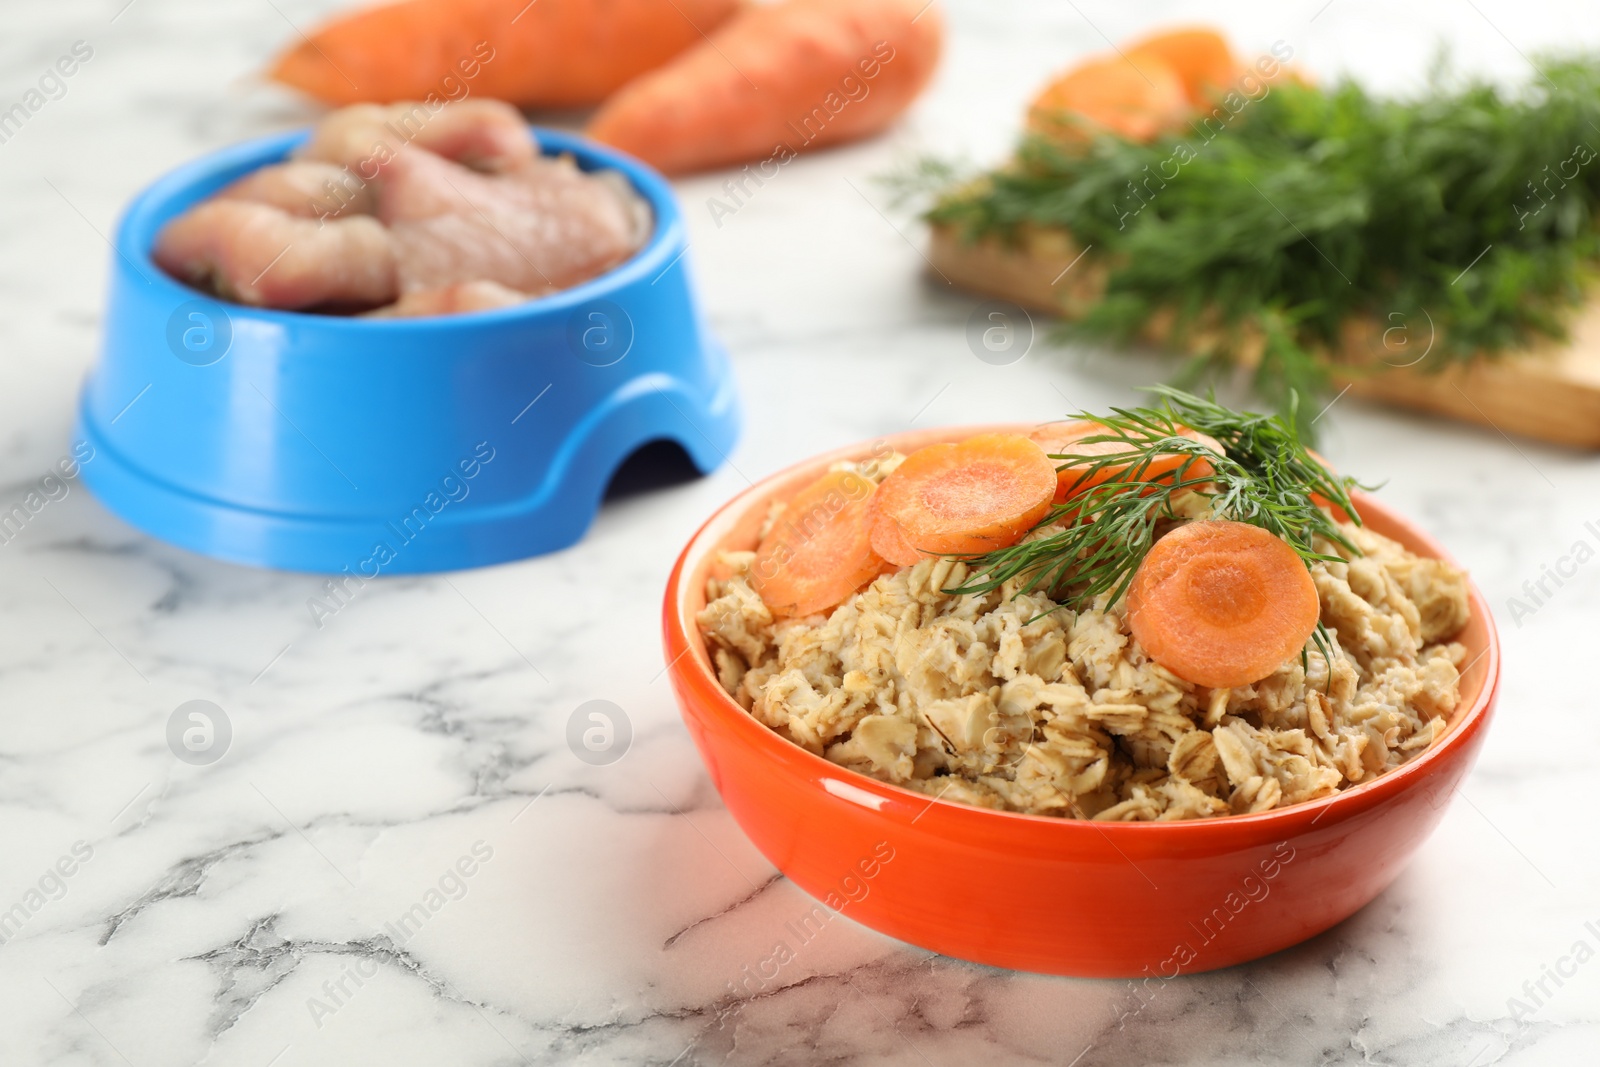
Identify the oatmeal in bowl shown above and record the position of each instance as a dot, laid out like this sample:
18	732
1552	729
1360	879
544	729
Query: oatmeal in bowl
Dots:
1010	691
1096	715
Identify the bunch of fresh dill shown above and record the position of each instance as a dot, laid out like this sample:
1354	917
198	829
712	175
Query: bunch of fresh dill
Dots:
1469	207
1264	475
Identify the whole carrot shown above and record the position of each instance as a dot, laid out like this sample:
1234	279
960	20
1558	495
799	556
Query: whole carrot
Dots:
544	53
776	80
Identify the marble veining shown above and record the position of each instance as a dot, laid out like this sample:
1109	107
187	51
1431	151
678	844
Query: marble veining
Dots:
306	899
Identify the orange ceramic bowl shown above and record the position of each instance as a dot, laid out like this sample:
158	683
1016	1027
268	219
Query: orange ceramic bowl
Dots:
1052	895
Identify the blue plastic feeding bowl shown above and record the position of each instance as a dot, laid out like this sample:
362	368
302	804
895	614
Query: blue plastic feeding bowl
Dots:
323	443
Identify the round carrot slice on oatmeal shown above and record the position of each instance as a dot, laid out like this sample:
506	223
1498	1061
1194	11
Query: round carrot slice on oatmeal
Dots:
1064	443
818	551
976	496
1222	604
889	539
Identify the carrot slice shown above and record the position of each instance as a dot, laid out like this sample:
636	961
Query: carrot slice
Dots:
888	539
969	498
818	551
1136	98
1222	604
1199	57
1066	439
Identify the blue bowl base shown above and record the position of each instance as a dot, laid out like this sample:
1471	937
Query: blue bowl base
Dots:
458	537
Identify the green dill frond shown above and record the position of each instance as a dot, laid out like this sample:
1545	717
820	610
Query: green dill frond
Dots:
1264	235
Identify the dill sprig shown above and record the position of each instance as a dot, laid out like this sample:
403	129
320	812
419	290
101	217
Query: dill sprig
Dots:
1466	215
1264	475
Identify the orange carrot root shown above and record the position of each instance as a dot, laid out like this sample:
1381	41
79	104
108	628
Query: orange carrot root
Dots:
778	79
819	551
1222	604
1066	439
554	53
963	499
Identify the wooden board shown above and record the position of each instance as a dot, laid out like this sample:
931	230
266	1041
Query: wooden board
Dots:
1550	391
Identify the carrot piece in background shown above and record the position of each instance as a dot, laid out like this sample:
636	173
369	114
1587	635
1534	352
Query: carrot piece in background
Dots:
818	552
981	494
778	79
1138	98
1066	439
1200	58
552	53
1222	604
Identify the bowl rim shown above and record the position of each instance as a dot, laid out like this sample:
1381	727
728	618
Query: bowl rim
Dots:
875	793
149	210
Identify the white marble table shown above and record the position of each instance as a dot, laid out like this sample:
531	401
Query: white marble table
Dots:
239	913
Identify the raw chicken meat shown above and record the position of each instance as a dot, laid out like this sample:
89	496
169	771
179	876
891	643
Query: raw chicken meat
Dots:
259	254
305	187
544	224
467	296
483	134
410	212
